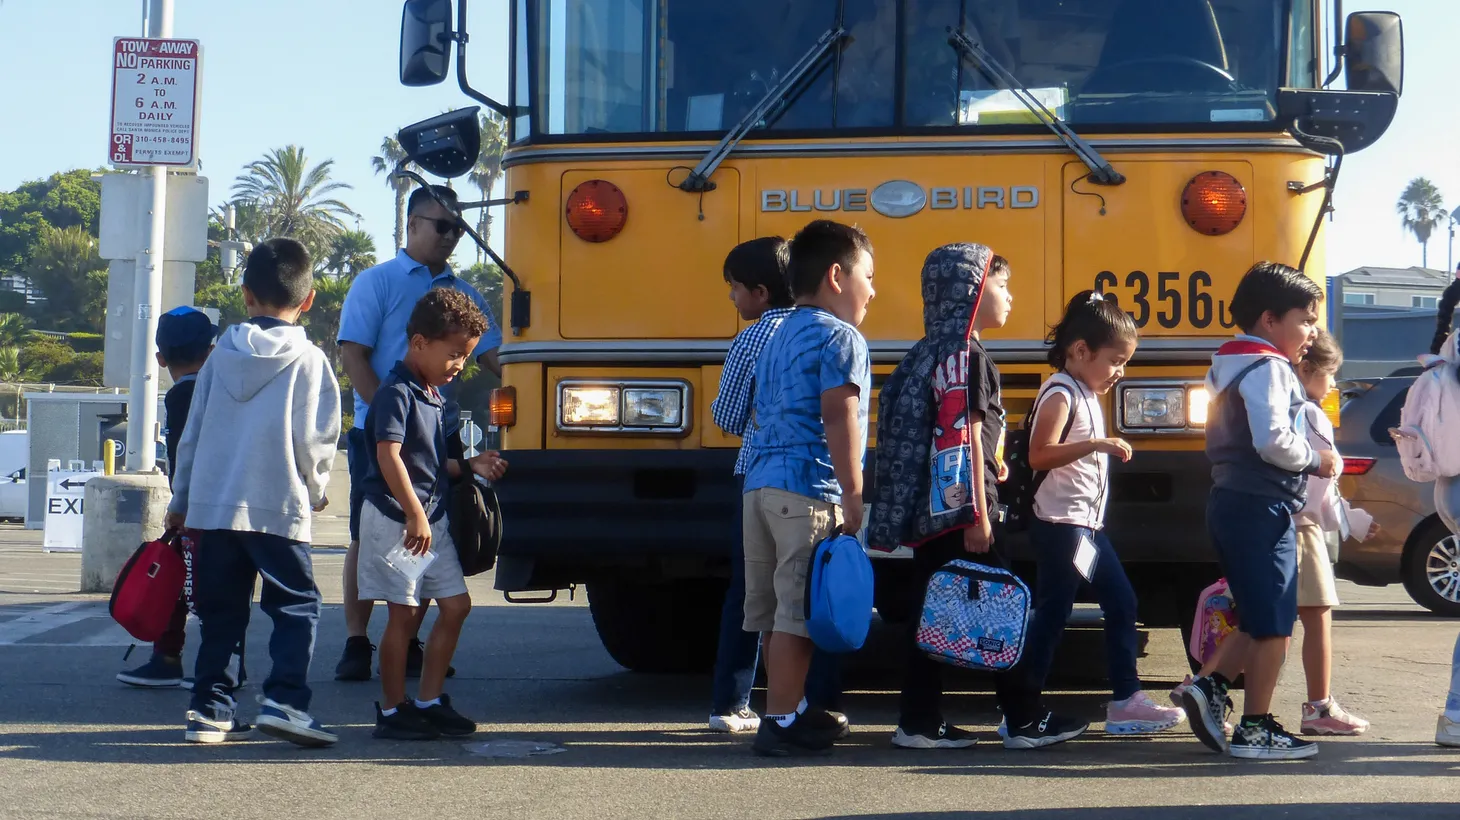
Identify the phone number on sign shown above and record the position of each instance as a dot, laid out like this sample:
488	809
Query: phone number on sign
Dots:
1170	297
142	139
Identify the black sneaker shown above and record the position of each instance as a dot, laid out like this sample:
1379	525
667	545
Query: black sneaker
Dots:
1046	731
406	724
944	737
825	723
416	658
1206	705
447	720
209	729
355	663
159	672
1268	740
797	740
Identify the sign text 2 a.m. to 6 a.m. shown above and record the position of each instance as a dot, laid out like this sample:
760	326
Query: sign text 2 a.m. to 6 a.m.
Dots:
154	101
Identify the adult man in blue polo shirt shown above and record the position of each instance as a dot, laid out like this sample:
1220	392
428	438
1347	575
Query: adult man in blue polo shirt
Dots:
372	339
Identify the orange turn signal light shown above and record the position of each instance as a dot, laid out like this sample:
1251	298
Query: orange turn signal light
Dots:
502	407
597	210
1214	203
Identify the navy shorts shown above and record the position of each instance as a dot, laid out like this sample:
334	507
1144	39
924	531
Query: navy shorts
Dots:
359	462
1258	546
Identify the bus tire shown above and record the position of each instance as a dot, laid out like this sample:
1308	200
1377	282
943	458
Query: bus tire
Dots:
663	628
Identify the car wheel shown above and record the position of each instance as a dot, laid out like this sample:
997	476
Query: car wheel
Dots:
1432	570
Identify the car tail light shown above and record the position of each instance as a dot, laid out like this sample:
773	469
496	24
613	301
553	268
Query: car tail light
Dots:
1357	466
502	407
597	210
1214	203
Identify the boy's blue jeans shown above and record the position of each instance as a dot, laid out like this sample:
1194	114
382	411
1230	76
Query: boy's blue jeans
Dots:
225	569
1054	597
739	651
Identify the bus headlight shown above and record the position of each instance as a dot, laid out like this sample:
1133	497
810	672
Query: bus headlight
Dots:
623	407
1161	407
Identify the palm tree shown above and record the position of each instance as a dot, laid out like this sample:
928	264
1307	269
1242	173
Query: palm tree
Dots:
62	265
294	198
391	155
9	364
1421	209
488	169
13	329
350	253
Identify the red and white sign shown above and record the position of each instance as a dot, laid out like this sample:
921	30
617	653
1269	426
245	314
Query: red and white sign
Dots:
154	101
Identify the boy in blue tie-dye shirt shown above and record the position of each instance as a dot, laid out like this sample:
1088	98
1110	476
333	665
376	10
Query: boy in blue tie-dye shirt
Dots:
813	382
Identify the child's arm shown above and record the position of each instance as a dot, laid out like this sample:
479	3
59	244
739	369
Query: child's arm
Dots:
316	430
976	539
1047	452
839	407
731	407
187	446
393	470
1267	396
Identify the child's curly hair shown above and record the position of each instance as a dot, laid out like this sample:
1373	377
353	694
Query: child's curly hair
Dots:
443	312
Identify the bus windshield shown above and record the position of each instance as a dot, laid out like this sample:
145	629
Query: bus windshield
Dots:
626	67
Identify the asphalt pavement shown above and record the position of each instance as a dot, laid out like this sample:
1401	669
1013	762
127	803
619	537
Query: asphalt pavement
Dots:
74	743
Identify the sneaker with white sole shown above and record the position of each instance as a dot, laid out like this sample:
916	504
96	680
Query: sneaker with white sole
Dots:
1046	731
944	737
1331	719
1139	715
287	723
1180	690
205	729
1207	705
1447	731
740	721
1268	740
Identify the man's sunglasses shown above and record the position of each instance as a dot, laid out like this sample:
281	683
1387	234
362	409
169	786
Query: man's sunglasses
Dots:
445	226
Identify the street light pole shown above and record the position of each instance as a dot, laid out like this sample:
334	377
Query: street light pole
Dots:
147	295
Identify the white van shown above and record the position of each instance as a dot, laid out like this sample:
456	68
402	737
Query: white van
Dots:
14	458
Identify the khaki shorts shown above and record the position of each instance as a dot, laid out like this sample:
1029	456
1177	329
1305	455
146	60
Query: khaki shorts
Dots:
781	531
1315	572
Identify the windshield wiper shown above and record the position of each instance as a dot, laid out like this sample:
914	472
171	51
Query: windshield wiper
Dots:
1101	172
698	180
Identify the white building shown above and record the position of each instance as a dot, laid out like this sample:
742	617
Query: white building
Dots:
1404	288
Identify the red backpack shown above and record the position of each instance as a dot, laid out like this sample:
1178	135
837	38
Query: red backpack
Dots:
147	588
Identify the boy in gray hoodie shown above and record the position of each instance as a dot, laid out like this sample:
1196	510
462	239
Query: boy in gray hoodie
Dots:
264	426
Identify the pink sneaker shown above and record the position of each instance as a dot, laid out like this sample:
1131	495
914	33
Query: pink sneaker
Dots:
1140	715
1331	719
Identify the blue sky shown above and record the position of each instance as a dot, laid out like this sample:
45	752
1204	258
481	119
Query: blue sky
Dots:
322	74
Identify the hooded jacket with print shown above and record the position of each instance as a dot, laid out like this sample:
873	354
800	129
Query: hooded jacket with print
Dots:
922	481
261	437
1256	436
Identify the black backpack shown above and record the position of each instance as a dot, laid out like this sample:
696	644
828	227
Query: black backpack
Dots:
1024	481
475	519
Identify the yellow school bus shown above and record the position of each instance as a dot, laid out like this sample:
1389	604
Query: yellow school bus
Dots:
1154	149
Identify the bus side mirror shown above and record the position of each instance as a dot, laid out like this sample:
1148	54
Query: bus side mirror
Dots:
446	145
425	36
1374	51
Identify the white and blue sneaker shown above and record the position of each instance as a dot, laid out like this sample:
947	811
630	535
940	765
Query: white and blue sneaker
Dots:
287	723
204	729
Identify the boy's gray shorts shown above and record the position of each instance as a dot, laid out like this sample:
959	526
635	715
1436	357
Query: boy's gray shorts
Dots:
379	582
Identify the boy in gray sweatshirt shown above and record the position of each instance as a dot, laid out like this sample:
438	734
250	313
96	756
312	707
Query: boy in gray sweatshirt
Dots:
263	431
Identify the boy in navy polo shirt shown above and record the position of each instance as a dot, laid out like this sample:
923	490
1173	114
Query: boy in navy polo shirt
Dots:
1260	463
404	495
804	481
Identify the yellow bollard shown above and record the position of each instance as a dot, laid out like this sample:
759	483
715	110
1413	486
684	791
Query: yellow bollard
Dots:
108	457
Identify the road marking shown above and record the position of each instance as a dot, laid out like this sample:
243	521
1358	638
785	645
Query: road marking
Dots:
44	620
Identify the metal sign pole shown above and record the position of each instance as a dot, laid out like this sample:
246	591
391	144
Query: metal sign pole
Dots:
142	401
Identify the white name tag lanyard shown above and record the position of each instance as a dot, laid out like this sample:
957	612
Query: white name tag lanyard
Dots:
1086	557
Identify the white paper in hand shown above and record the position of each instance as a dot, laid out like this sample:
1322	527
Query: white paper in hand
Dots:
1085	556
405	562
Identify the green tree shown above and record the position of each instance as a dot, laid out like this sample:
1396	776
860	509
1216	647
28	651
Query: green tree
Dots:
1421	209
64	264
14	329
488	170
487	279
392	154
322	322
228	299
350	253
9	364
63	200
48	360
293	198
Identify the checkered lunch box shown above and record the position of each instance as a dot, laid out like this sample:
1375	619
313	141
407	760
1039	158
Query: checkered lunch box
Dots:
974	617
